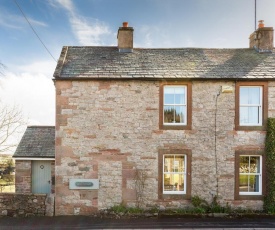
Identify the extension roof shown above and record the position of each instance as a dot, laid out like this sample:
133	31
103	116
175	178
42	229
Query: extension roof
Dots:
179	63
37	142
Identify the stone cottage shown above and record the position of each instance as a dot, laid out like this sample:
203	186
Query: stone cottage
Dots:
182	122
35	161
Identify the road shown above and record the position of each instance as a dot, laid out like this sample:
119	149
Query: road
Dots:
86	222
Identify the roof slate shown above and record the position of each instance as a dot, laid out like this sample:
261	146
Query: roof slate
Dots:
37	141
183	63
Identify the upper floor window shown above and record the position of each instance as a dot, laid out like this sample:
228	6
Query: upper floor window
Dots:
174	108
251	105
175	105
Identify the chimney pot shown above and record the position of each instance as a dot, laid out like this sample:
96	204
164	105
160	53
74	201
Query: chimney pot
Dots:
125	24
261	24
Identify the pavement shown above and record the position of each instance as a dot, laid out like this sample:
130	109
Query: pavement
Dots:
87	222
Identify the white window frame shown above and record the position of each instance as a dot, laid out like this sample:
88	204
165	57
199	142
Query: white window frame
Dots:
184	173
260	106
184	105
257	174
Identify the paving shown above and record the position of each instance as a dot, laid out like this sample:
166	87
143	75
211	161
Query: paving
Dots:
86	222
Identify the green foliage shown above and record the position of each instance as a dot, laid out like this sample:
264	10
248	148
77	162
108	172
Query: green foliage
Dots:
134	210
196	201
198	210
202	206
118	209
269	200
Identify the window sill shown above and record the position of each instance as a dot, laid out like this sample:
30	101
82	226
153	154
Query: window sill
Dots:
175	127
249	197
250	128
175	197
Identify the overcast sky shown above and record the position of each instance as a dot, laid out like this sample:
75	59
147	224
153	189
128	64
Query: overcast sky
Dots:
28	83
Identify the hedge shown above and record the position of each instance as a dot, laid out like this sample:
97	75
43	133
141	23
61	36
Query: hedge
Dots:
269	200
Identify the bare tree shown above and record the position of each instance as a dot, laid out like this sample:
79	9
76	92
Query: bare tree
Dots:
11	122
2	67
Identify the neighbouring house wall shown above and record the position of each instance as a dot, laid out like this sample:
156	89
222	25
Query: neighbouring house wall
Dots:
23	178
53	177
23	205
109	130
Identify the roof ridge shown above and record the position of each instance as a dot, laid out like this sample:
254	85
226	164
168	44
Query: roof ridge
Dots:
41	126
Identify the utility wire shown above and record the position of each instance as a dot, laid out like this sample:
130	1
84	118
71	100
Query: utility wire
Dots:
33	29
255	15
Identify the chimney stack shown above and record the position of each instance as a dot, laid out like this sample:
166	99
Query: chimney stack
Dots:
262	38
125	38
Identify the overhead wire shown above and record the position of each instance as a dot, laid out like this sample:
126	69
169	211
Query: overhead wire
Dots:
16	3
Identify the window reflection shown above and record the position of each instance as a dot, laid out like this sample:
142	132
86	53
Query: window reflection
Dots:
174	109
249	174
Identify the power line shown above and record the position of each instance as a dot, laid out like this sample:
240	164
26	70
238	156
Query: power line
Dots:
33	29
255	15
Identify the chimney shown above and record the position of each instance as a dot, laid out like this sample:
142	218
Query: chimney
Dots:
262	39
125	38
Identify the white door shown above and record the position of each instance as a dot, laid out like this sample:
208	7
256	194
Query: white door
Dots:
41	177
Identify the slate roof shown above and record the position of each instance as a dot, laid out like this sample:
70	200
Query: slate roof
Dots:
37	141
181	63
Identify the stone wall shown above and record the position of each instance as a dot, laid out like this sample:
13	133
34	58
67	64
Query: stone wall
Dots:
108	130
23	179
23	205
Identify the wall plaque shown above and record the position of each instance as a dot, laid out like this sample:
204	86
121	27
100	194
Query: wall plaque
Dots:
83	184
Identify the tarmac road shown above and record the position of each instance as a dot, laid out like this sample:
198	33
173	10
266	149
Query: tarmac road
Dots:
86	222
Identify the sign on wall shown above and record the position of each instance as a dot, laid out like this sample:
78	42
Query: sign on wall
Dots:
84	184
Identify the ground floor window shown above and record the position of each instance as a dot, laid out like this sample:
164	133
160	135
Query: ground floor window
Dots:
249	174
174	173
250	179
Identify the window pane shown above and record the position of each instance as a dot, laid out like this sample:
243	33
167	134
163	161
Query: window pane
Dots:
181	183
244	164
168	99
169	114
249	115
168	182
173	182
250	95
249	183
180	95
169	95
244	99
254	95
243	183
179	167
254	183
168	163
244	115
179	114
255	164
253	113
169	90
